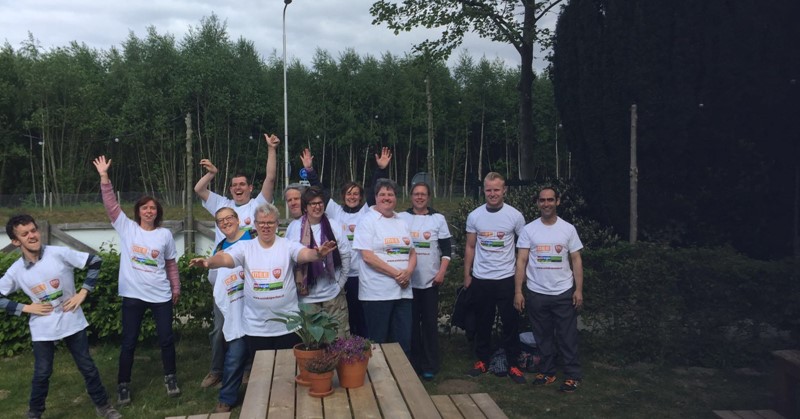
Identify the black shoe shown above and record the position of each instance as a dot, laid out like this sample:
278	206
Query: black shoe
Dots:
516	375
171	382
477	369
123	394
569	386
543	380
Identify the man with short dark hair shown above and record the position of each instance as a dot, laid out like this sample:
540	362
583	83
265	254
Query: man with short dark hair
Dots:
46	275
241	190
489	270
554	290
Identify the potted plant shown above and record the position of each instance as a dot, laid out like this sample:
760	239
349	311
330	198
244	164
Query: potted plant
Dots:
320	373
353	353
315	329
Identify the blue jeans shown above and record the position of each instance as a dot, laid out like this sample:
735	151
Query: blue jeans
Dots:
132	314
389	319
217	342
235	359
43	353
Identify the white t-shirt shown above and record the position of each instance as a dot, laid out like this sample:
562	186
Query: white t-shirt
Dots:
548	271
494	250
51	279
143	255
246	212
390	240
269	288
350	220
325	288
229	298
426	230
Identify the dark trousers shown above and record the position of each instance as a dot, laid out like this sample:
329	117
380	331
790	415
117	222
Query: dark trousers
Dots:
43	353
355	311
490	295
132	314
390	321
261	343
425	330
554	317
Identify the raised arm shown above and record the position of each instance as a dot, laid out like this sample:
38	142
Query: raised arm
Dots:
312	255
107	191
381	163
268	187
219	260
201	188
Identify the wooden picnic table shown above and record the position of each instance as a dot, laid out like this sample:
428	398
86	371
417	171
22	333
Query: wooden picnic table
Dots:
392	389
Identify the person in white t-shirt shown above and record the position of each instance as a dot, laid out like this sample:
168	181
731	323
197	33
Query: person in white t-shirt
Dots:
229	298
431	238
148	279
321	284
46	276
388	260
241	190
269	286
554	290
489	272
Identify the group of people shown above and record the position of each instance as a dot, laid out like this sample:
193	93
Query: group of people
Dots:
375	270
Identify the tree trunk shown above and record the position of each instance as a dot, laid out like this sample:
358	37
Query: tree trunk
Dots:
525	87
431	155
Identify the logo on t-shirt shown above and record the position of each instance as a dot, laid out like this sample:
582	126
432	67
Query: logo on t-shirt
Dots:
500	235
247	221
406	240
154	253
427	235
241	274
559	248
352	227
55	283
277	273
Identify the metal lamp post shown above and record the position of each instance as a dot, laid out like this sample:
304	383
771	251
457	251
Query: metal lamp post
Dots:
286	4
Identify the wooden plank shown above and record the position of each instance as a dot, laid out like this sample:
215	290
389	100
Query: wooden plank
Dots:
387	393
467	406
282	398
70	241
175	417
307	406
488	406
225	415
769	414
256	399
726	414
203	416
362	399
418	400
85	226
205	231
446	407
747	414
336	405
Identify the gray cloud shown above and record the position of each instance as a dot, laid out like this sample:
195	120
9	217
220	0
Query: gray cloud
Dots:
332	25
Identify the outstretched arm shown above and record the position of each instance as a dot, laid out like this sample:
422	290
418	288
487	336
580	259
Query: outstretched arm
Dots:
268	187
107	191
219	260
201	188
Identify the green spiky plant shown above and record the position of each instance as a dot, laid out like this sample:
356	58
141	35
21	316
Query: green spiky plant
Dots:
315	328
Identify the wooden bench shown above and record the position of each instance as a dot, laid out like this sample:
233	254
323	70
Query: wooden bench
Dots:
476	405
748	414
203	416
787	382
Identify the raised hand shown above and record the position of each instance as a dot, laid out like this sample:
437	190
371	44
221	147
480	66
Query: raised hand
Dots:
307	159
102	165
210	168
199	263
272	140
326	248
383	160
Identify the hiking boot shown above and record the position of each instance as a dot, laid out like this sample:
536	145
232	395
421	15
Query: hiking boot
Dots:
543	380
171	383
123	394
107	412
569	386
477	369
222	408
246	377
212	378
516	375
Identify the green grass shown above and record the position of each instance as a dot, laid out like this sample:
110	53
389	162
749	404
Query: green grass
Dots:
633	391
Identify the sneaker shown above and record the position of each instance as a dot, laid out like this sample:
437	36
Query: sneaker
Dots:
246	377
516	375
123	394
543	380
222	408
171	383
212	378
569	386
477	369
428	376
107	412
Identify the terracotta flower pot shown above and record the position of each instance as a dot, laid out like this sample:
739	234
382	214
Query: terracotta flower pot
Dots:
321	384
351	375
302	356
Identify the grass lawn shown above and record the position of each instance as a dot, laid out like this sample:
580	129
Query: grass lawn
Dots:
632	391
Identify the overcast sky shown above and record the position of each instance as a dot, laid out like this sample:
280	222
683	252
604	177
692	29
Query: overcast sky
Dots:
331	25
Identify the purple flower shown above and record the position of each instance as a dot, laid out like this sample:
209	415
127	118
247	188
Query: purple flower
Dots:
351	349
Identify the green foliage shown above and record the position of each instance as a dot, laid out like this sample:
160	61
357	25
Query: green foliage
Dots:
103	306
316	328
695	306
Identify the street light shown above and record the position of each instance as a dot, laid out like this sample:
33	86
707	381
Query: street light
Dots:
286	4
